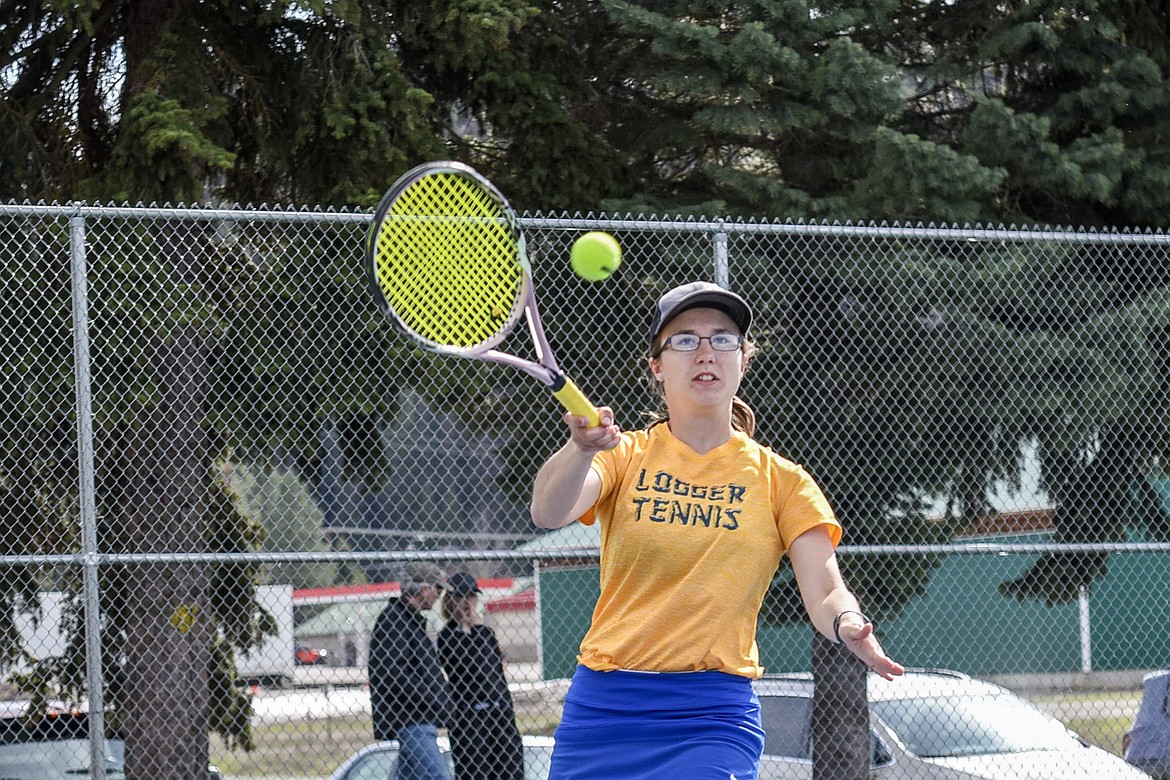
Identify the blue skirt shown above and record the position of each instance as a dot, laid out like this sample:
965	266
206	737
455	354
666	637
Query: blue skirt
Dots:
638	726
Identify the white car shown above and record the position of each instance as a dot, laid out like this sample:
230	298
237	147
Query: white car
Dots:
936	725
56	746
379	761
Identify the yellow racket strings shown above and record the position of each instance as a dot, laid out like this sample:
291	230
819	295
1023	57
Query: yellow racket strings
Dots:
448	261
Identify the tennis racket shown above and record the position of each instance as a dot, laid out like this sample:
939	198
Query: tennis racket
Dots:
448	261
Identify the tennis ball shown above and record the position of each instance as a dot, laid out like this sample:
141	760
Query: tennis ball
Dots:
595	256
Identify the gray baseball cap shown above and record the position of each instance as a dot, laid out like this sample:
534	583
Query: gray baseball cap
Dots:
700	294
422	573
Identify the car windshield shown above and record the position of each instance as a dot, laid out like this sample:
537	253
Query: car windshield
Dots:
943	727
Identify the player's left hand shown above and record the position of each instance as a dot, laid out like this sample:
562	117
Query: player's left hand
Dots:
862	643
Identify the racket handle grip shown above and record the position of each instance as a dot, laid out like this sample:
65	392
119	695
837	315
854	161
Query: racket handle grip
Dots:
575	401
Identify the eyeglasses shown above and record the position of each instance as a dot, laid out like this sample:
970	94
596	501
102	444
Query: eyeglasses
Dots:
689	342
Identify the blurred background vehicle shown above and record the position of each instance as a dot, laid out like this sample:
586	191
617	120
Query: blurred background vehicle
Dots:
931	725
55	746
1147	744
307	656
379	760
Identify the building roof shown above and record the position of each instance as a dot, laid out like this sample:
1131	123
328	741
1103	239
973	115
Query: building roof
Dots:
574	536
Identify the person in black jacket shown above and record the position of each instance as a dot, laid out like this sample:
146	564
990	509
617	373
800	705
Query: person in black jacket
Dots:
409	700
484	738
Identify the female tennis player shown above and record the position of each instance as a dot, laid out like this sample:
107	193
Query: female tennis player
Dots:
695	516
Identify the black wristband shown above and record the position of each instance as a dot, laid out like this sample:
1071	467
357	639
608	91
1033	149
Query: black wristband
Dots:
837	622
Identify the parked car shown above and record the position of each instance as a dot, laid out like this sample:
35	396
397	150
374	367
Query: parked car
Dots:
1147	744
56	746
308	656
379	760
931	725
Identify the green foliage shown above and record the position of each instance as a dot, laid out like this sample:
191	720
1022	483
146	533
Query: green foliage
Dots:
281	504
1019	145
352	124
910	379
466	34
1054	115
915	179
230	705
516	94
768	109
1077	116
162	153
245	101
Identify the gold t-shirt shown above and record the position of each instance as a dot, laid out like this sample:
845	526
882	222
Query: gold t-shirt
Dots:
689	545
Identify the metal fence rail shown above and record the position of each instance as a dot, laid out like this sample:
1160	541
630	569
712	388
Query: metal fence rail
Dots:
218	456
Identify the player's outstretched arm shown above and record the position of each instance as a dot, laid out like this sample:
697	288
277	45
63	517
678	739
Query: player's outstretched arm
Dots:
565	486
832	607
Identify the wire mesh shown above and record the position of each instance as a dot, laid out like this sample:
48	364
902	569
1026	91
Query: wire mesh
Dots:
219	461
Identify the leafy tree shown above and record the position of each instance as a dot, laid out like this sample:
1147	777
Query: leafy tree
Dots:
1068	100
145	463
164	102
749	108
518	90
953	112
1025	88
906	373
1097	408
292	520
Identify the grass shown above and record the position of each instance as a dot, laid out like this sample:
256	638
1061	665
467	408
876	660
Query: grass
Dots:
1101	717
1105	733
300	748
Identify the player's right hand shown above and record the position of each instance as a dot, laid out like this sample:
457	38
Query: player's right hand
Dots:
594	438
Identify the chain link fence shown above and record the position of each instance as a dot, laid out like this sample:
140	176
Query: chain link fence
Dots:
218	459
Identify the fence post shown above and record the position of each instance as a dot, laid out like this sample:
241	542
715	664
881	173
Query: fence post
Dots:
1086	630
87	501
722	274
539	617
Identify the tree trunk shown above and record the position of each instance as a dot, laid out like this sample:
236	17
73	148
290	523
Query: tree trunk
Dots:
840	716
168	631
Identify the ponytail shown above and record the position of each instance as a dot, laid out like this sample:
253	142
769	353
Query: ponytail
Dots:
742	417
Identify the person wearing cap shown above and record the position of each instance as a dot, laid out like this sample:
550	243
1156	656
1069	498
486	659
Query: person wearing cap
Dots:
695	516
409	700
485	740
